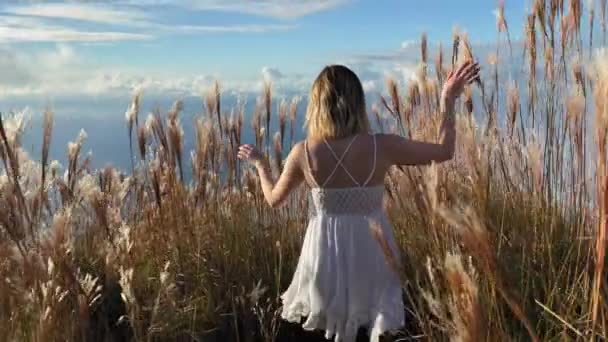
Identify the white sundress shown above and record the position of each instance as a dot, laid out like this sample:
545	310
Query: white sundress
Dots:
343	280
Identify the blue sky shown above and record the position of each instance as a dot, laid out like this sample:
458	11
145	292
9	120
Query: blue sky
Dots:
69	49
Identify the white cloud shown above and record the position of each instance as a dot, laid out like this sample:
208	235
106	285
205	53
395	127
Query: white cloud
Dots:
224	28
62	71
280	9
11	34
370	86
271	8
407	71
375	67
13	72
271	74
24	29
408	44
85	12
27	67
52	71
46	22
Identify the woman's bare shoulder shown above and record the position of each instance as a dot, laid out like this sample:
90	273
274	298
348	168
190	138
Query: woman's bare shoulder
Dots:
298	147
297	151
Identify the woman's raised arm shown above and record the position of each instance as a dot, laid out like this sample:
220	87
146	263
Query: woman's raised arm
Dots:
292	175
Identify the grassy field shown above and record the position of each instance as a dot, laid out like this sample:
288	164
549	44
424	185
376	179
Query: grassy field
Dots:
505	242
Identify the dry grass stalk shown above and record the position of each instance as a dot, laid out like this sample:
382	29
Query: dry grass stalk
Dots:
575	14
601	113
131	116
579	77
424	48
535	162
73	154
539	11
10	160
475	237
468	101
156	130
530	46
565	33
267	98
175	136
213	104
575	108
465	308
256	124
141	142
512	105
217	94
239	123
603	16
466	51
549	65
501	23
376	112
283	108
391	84
561	319
455	47
439	70
278	151
46	144
209	101
591	8
293	111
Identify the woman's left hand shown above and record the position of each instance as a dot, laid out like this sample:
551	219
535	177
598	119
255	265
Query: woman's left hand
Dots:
250	153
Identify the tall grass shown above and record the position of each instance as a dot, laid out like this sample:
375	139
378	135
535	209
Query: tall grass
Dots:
506	242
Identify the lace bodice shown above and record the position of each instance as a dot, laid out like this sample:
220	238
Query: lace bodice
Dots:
346	201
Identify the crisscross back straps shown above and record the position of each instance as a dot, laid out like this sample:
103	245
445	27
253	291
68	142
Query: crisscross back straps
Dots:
340	164
339	161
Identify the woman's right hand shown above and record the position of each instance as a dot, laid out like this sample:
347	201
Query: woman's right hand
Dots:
250	154
465	74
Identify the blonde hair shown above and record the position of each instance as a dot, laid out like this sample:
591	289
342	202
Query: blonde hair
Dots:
336	105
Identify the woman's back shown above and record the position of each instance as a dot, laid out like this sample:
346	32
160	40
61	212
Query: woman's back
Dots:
341	174
343	163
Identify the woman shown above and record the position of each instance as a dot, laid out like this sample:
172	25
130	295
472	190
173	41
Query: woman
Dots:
342	280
